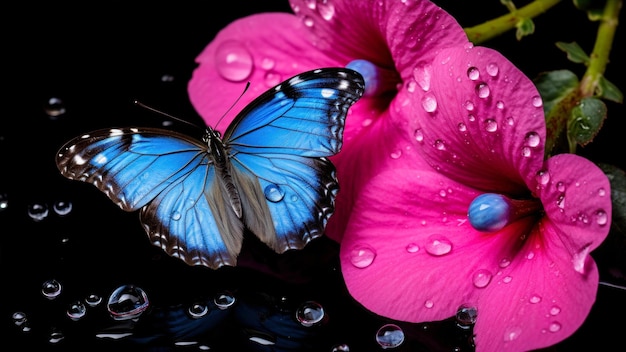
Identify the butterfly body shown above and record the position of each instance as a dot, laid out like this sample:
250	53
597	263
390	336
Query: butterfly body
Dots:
269	173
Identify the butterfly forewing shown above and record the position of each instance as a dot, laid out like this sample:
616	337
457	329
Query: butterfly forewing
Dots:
276	164
282	138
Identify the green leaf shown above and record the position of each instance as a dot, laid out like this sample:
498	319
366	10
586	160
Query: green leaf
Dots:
609	91
585	121
574	52
553	86
525	27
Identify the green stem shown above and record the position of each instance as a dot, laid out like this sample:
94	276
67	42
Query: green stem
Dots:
599	58
493	28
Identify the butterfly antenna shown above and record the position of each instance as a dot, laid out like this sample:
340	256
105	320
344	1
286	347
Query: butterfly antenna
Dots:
235	103
137	102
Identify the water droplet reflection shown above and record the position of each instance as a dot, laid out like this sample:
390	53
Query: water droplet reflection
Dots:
127	302
310	313
389	336
51	289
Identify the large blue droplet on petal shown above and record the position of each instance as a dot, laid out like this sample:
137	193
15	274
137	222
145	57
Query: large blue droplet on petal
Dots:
489	212
371	74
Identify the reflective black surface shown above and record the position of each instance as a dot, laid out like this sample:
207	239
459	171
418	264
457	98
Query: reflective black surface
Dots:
96	62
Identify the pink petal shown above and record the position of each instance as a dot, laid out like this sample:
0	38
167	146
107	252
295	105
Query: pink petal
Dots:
374	145
576	196
536	301
521	280
481	122
401	214
392	34
263	49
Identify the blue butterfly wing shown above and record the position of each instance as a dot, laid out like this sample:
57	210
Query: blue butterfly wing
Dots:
277	152
283	138
170	177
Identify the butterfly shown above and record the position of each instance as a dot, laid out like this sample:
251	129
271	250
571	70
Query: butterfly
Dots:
269	173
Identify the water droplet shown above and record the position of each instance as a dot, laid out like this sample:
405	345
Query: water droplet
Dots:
76	310
504	262
272	78
19	318
560	201
535	299
341	348
389	336
537	102
491	125
422	76
54	107
310	313
507	279
482	278
542	177
176	215
55	336
419	135
471	118
555	310
601	217
127	302
167	78
462	127
554	326
429	103
51	289
62	208
466	316
412	248
363	256
233	61
469	106
492	69
197	310
326	9
512	333
532	139
482	90
38	211
224	300
396	154
601	193
510	120
429	304
308	21
500	104
440	145
93	300
580	258
4	201
526	152
274	193
473	73
438	245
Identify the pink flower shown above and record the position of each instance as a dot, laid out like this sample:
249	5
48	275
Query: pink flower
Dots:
266	48
520	259
446	201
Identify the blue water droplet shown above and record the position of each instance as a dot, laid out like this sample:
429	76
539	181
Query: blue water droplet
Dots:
489	212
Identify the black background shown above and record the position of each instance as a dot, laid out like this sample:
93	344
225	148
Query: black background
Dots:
97	59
